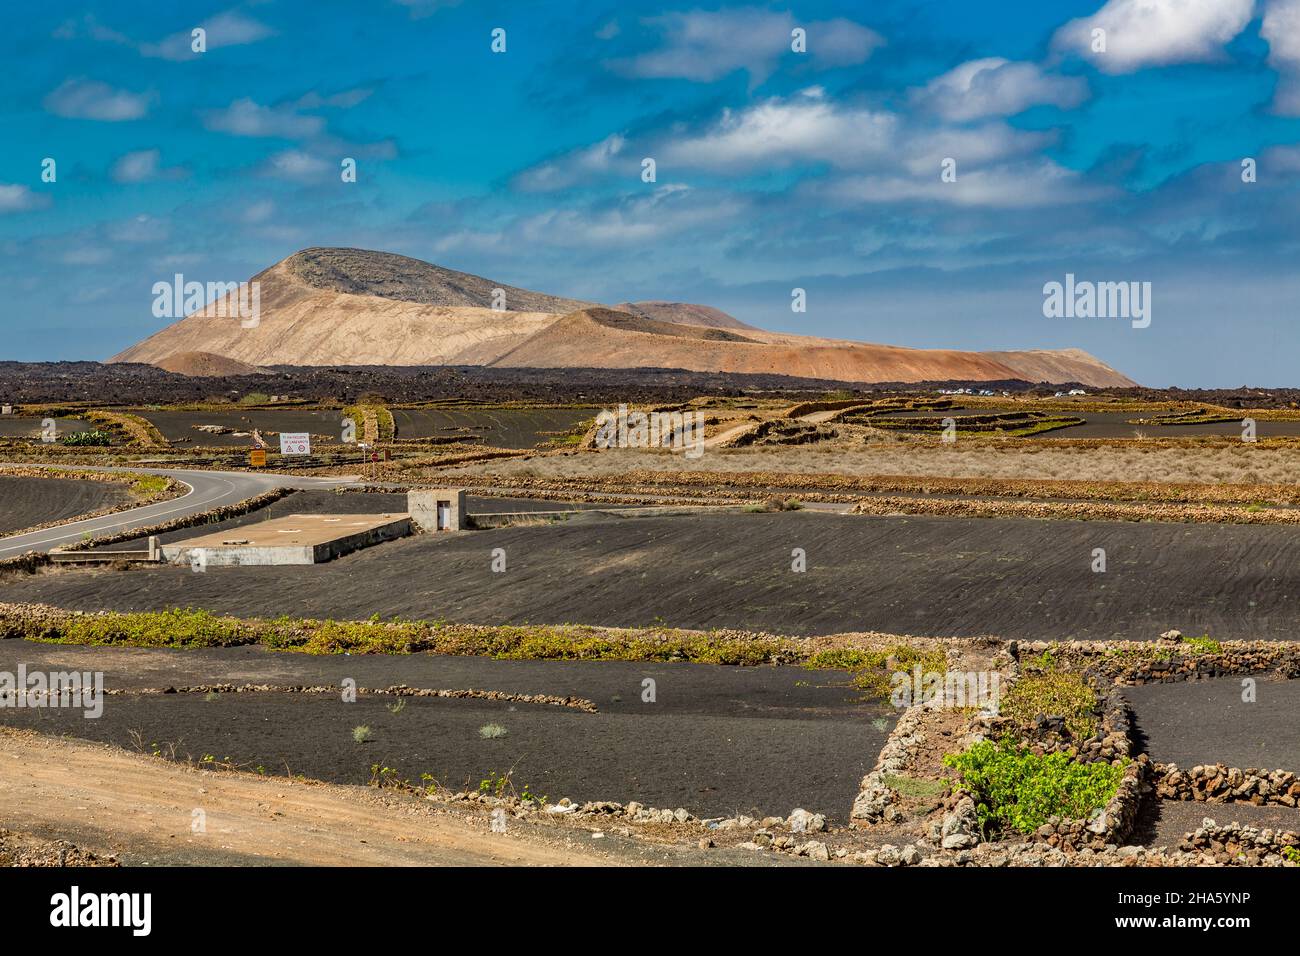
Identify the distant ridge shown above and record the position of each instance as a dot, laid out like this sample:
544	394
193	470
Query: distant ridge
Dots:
333	307
205	365
684	313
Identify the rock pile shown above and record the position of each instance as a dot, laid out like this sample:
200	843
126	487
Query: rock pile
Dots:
1216	783
1237	845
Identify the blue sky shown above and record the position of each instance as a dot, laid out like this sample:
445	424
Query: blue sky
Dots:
775	169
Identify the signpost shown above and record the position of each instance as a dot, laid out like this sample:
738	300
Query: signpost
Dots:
295	443
257	458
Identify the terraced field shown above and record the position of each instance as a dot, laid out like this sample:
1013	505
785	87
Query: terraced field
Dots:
716	740
496	427
928	576
324	425
12	427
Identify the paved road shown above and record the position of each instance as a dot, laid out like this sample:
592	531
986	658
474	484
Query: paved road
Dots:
208	489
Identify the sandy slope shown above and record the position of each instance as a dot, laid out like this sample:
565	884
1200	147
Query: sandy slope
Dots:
141	808
353	307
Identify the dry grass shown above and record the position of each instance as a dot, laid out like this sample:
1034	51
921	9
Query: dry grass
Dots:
1243	464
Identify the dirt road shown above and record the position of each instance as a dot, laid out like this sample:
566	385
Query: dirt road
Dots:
141	809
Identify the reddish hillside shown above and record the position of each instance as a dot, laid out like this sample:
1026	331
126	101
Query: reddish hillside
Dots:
328	307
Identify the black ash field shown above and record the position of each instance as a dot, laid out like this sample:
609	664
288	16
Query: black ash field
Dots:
931	576
716	741
28	502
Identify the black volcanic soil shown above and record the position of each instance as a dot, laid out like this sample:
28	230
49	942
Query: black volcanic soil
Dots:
716	740
1206	721
495	427
904	575
27	502
128	383
11	426
324	425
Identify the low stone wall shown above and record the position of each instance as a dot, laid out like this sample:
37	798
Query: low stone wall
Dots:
1173	658
1237	845
1217	783
875	797
28	563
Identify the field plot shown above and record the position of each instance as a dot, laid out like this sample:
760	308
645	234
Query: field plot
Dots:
13	427
1206	722
497	427
1111	424
1168	821
918	575
716	740
324	425
1118	425
27	502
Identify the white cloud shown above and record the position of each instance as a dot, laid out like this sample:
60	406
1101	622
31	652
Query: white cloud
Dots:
806	129
670	209
1141	33
809	128
705	45
90	99
142	166
923	150
344	99
779	132
244	117
1025	185
16	198
997	87
1281	28
576	166
297	165
231	28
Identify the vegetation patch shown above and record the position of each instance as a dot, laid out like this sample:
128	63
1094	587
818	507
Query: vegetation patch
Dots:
872	671
1015	789
93	438
1053	692
199	628
915	787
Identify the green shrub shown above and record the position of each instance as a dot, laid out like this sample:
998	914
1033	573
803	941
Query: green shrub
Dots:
1018	790
172	628
872	670
1203	645
1053	693
94	438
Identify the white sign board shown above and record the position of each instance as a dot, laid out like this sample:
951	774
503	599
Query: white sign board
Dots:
295	443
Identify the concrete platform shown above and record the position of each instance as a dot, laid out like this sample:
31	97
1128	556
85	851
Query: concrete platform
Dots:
292	539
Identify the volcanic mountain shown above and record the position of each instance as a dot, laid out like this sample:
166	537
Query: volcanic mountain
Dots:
354	307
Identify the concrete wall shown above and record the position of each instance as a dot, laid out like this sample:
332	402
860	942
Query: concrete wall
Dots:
422	505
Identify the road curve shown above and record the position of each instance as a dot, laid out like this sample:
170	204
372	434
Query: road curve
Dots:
208	490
